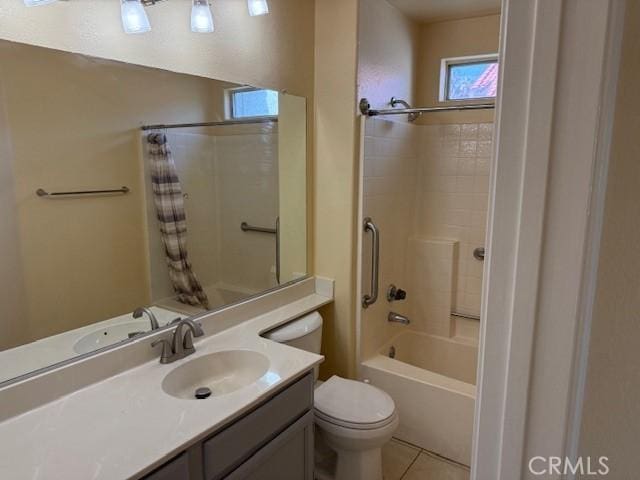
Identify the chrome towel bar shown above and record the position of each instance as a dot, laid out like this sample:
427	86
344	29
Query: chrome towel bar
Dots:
115	191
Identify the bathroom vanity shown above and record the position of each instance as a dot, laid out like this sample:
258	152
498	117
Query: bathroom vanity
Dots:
272	442
124	415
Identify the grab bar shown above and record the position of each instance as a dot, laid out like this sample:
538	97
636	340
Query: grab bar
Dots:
369	226
115	191
468	316
245	227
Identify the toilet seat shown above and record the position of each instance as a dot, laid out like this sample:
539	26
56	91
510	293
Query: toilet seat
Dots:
354	405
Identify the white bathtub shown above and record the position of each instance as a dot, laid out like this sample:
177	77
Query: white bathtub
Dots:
432	381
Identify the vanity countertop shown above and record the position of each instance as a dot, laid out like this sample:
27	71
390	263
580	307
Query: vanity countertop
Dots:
125	426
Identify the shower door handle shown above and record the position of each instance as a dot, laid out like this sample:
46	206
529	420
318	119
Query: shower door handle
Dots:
372	297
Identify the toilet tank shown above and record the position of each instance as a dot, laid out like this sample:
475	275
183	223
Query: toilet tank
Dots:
304	333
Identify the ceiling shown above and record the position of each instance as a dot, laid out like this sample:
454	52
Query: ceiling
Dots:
437	10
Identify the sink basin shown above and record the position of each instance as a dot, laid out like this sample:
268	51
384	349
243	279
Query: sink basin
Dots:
221	372
108	336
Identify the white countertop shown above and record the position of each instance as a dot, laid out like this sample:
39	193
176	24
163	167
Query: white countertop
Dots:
126	425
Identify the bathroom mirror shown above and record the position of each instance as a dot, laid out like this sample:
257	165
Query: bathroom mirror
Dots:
125	187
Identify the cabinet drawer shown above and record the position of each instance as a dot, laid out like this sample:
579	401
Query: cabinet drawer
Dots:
232	446
176	469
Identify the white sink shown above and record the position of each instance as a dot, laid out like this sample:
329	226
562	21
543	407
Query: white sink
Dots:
221	372
109	335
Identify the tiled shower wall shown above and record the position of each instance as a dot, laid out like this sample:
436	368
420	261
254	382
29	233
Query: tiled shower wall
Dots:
247	167
230	175
389	171
453	186
426	188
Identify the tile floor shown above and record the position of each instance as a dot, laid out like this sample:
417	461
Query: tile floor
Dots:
402	461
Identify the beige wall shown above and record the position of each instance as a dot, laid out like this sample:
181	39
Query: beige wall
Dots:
388	54
335	175
273	51
85	136
610	424
455	38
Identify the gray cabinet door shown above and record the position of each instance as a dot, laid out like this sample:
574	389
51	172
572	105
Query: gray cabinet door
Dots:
233	446
176	469
289	456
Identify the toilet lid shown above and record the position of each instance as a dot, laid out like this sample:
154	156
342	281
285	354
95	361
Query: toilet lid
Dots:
352	402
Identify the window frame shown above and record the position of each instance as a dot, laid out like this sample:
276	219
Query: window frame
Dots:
445	66
228	103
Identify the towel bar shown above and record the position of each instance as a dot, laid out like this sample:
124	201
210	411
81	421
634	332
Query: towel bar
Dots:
116	191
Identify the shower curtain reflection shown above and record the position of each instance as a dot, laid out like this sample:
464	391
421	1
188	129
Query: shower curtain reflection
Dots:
172	221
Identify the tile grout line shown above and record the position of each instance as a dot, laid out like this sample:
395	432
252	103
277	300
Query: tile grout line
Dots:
410	465
445	459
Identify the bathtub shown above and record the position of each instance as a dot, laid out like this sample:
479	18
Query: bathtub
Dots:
432	381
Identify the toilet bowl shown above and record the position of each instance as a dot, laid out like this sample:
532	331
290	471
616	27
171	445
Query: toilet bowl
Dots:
353	418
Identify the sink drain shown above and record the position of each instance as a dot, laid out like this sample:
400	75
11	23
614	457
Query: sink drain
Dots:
202	393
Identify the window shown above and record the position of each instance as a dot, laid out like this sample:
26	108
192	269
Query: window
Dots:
469	78
251	102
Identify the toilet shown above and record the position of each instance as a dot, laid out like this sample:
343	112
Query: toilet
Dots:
354	419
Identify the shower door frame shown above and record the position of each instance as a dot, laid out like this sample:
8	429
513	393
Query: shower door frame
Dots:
534	340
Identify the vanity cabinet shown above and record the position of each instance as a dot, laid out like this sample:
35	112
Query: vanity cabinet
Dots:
176	469
272	442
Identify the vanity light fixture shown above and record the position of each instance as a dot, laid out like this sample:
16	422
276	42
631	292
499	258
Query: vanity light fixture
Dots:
135	20
35	3
201	17
258	7
134	17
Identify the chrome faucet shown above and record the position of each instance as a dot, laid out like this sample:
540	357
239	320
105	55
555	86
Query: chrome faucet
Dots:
139	312
397	318
181	344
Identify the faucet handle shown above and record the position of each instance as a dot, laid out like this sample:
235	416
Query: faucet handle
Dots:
194	330
167	352
394	293
187	342
197	329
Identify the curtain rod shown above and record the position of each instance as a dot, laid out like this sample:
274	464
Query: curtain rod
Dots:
211	124
365	109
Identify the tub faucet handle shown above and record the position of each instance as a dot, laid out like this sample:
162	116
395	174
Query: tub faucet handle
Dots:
394	293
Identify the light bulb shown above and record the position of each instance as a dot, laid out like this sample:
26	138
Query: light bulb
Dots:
258	7
134	17
201	18
35	3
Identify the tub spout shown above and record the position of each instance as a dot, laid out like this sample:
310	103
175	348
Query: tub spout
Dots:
397	318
